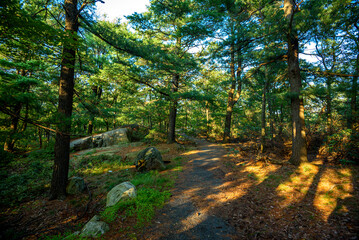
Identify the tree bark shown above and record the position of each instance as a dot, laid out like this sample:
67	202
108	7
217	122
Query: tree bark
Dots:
263	116
62	144
271	114
299	145
10	141
329	106
233	95
40	137
171	138
353	115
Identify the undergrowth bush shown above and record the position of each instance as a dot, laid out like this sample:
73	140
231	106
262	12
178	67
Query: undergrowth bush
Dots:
97	160
155	136
5	157
343	146
23	177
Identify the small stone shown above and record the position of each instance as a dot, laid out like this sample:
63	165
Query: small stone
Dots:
123	191
94	228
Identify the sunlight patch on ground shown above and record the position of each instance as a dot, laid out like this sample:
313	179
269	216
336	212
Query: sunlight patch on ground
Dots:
105	169
335	184
259	171
294	189
192	152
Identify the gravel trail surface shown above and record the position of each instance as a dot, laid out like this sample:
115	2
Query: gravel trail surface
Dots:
189	214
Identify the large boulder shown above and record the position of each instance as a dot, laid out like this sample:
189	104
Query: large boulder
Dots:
149	159
75	185
117	136
81	143
94	228
123	191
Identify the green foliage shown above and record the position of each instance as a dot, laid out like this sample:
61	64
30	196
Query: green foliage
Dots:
24	178
89	164
151	194
150	179
5	157
155	136
344	146
142	207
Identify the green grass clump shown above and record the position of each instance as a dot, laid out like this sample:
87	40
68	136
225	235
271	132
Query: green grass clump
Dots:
142	207
152	193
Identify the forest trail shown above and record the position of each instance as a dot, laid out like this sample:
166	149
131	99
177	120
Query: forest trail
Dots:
189	214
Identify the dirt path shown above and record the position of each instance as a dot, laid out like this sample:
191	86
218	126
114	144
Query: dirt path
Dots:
189	214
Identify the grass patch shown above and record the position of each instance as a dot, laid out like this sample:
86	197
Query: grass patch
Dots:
29	178
152	193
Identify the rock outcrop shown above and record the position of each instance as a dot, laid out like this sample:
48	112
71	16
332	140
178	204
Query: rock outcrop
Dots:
149	159
123	191
120	135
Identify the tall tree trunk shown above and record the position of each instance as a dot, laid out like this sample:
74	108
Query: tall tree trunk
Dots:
299	145
353	115
90	125
207	119
171	138
62	144
329	106
271	114
14	126
96	92
40	136
280	120
263	116
10	141
233	96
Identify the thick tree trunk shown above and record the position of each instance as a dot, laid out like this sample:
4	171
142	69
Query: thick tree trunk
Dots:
171	138
62	144
230	101
299	145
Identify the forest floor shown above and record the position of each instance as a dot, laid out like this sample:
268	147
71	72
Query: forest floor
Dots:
225	191
228	192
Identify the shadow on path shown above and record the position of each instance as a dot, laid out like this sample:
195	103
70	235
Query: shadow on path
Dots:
188	214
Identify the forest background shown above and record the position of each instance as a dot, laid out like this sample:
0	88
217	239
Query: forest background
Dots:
226	70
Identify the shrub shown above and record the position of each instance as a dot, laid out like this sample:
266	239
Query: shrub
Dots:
155	136
5	157
343	146
24	177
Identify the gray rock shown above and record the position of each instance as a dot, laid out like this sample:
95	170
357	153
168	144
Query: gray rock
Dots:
149	159
117	136
75	185
81	144
123	191
94	228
